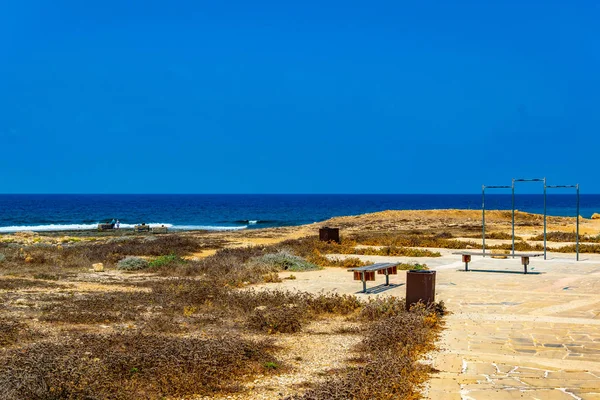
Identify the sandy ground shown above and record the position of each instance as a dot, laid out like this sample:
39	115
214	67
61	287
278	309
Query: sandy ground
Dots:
509	335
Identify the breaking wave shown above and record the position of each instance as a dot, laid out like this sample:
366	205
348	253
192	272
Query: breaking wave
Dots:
85	227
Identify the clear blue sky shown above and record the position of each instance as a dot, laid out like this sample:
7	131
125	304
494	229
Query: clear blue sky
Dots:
297	97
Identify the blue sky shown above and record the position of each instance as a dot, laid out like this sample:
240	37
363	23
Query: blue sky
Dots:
297	97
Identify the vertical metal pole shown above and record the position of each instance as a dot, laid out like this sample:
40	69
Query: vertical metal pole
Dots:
577	229
364	282
387	278
483	217
544	218
513	217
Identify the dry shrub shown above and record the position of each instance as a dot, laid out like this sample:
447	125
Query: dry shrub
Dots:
96	308
283	319
18	283
493	235
403	239
231	266
131	366
14	331
81	255
396	251
382	307
388	362
566	237
314	251
348	262
519	246
163	306
583	248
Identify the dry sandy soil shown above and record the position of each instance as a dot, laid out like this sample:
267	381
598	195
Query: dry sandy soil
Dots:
320	348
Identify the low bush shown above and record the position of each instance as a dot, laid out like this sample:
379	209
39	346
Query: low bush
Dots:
388	364
281	319
566	237
132	366
18	283
167	261
13	331
285	261
132	264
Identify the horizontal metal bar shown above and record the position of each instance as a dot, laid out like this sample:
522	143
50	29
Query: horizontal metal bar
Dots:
496	187
529	180
562	187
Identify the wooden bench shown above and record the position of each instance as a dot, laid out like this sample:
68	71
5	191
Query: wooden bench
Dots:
367	273
466	257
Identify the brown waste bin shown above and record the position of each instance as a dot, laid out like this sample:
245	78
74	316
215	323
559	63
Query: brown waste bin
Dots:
327	234
420	286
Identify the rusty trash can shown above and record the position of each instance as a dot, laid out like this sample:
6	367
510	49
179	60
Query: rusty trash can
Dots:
420	286
327	234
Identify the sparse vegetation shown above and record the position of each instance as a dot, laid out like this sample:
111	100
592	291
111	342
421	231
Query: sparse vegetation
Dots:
132	264
130	366
393	342
187	328
284	261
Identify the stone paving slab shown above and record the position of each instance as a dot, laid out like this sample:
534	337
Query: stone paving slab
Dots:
519	336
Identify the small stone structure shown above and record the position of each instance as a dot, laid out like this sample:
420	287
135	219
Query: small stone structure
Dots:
160	229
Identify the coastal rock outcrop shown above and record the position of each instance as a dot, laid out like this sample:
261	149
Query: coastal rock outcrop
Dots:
595	216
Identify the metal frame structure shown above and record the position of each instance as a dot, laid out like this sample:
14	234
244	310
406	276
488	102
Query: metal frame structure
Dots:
512	187
483	187
513	210
576	187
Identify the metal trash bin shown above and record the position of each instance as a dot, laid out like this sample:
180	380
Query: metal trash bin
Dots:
327	234
420	286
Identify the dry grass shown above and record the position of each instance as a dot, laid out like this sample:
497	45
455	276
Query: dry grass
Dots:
13	331
131	366
188	329
566	237
387	366
403	239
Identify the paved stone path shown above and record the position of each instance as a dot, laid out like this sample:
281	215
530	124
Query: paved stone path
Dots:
519	336
510	335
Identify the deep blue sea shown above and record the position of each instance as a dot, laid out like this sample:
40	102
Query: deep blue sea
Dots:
218	212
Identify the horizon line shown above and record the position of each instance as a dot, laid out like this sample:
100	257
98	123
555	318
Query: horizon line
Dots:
283	194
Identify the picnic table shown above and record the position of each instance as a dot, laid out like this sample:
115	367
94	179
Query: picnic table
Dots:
466	257
367	273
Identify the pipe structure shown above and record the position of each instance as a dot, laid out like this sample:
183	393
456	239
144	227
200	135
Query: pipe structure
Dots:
544	218
513	217
577	228
483	187
576	187
513	207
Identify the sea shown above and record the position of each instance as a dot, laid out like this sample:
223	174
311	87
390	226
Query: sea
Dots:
61	212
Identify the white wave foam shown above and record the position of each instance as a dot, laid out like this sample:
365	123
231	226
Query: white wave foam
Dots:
253	222
85	227
208	228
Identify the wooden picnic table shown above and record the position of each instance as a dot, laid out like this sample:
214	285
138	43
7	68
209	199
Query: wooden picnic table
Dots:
466	257
367	273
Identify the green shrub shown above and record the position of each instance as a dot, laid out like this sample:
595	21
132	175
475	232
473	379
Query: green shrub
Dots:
285	261
132	264
165	261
